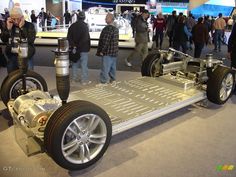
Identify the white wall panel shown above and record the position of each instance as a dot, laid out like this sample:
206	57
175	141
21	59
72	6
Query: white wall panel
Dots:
24	4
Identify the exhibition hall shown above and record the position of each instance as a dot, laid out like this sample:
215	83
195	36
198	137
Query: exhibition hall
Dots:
110	88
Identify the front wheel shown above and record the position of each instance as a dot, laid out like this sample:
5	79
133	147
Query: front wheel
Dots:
77	135
220	85
12	85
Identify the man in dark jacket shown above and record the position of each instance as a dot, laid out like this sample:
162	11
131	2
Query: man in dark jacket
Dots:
67	17
108	50
232	47
190	23
79	40
42	17
181	34
200	37
18	29
171	20
141	38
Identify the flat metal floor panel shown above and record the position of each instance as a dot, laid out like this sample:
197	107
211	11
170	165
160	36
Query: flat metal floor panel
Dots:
135	99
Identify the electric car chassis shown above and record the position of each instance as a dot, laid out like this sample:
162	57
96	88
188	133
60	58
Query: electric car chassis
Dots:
76	134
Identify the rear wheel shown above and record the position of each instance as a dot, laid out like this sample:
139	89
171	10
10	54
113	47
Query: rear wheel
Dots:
12	85
77	135
152	65
220	85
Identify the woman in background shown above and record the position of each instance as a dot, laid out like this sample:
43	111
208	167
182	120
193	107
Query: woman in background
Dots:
200	37
159	26
180	34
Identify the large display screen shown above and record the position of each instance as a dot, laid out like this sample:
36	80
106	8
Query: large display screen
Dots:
230	3
214	7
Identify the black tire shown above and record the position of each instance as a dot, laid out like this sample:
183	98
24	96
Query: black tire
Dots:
149	65
4	80
9	75
12	85
3	83
220	85
57	136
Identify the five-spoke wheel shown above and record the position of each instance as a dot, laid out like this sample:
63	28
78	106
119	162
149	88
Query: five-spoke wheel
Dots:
220	85
77	134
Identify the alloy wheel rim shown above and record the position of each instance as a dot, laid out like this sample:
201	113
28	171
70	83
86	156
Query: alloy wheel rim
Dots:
31	84
226	86
83	139
156	68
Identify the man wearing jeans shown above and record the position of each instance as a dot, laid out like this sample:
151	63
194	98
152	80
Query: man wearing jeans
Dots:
108	50
79	40
42	16
219	26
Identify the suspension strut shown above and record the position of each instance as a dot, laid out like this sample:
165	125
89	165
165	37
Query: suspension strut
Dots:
62	69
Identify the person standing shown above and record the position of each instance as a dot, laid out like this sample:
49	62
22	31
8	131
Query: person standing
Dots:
200	37
230	23
79	39
108	50
141	38
219	27
6	14
42	16
34	19
3	60
190	23
181	35
133	22
49	20
73	17
171	20
18	29
159	26
67	17
232	47
27	16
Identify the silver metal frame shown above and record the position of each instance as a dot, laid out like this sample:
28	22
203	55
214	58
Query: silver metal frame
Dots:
132	103
119	128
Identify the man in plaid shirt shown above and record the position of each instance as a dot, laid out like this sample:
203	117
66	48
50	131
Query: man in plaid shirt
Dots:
108	50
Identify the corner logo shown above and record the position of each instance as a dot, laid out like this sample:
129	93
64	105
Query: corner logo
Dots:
225	167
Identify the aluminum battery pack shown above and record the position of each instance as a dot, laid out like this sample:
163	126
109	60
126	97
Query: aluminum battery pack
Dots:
134	102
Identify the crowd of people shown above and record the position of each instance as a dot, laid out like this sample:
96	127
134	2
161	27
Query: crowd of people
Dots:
16	27
45	20
182	32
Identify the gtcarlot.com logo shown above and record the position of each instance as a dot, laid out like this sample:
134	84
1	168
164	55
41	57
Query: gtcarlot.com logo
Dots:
21	169
225	168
